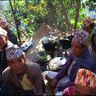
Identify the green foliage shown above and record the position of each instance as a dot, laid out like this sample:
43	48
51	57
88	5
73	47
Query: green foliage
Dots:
32	13
91	4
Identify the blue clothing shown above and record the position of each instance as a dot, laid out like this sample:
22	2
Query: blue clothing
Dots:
84	61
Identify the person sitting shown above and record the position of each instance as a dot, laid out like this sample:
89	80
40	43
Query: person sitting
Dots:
85	84
4	43
93	43
24	77
88	25
80	58
11	36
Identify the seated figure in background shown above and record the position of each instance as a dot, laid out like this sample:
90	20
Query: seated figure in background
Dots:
11	36
89	26
4	43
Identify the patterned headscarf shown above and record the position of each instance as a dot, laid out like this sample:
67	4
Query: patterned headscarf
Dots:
82	37
3	32
13	52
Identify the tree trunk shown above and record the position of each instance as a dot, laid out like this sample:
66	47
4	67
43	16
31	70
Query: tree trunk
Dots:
51	17
15	20
68	25
26	5
77	13
26	16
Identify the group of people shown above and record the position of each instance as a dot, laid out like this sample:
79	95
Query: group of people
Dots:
20	77
81	58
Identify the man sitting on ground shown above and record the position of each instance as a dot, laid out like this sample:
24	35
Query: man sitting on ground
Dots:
80	58
24	77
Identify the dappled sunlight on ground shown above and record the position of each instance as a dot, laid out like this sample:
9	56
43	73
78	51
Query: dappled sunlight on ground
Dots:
44	30
39	46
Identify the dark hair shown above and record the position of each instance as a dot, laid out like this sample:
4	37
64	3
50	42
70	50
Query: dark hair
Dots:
92	25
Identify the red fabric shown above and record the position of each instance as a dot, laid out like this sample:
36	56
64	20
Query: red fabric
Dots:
69	91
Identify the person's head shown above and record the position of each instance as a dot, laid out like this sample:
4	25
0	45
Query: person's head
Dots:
3	24
79	43
88	24
3	38
16	59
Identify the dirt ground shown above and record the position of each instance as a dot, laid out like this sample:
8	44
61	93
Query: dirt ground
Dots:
44	30
31	53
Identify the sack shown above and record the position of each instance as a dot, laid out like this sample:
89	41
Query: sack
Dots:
56	63
86	78
85	82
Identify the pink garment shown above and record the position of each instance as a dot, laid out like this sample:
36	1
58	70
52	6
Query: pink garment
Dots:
69	91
